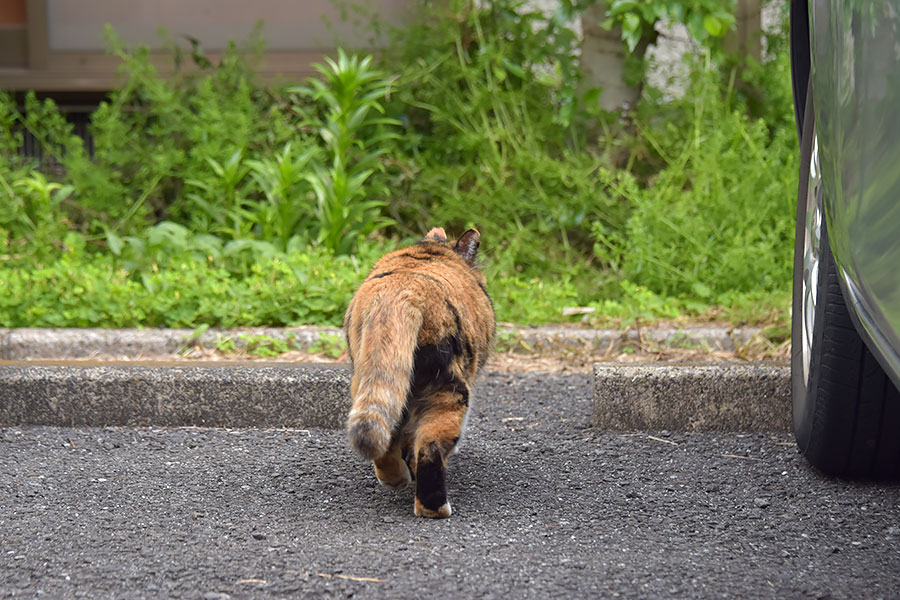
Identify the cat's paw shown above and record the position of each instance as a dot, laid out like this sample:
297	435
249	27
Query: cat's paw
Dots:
392	473
398	482
441	513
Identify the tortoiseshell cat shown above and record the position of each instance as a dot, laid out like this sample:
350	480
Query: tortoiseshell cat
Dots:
419	329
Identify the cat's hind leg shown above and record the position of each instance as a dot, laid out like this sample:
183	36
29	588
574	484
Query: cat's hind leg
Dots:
390	469
437	434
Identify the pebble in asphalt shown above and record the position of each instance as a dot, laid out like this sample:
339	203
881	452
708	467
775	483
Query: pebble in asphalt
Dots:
544	506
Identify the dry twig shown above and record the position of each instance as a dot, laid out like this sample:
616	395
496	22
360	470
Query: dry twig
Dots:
653	437
741	457
351	578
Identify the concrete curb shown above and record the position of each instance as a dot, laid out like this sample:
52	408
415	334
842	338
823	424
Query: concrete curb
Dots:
33	343
627	397
210	395
22	344
712	397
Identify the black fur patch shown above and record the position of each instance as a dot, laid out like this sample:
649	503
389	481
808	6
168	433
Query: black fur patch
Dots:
463	391
455	312
486	294
459	340
429	277
431	482
431	365
380	275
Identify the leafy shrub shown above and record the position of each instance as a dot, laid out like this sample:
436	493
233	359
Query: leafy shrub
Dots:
717	218
214	151
211	200
181	290
348	93
494	137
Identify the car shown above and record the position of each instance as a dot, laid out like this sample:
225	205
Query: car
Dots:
845	352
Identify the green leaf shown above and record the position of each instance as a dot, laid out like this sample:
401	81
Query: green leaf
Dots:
513	68
714	26
701	289
114	242
631	30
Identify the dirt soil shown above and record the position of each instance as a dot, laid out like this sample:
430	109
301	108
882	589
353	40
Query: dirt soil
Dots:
518	360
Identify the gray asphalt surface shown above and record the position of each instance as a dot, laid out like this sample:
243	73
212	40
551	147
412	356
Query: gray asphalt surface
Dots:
544	506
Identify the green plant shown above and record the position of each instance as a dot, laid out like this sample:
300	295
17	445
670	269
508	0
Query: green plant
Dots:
211	200
193	338
494	138
636	304
32	210
507	340
82	289
350	94
179	146
705	19
226	344
39	209
329	344
259	344
217	203
716	219
285	183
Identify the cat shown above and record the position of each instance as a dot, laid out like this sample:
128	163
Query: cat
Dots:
419	329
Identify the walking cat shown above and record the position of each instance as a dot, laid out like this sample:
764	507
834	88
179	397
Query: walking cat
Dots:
419	328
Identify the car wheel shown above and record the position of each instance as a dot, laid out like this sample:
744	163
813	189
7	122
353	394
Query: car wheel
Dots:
846	411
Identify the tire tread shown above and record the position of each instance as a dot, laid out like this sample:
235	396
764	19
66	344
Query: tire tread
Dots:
857	413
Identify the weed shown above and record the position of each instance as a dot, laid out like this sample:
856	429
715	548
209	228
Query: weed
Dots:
260	344
716	219
507	340
193	338
349	123
226	344
332	345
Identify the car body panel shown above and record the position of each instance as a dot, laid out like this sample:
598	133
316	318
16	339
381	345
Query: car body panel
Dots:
855	50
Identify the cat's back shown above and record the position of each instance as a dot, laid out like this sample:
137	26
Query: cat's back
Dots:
432	276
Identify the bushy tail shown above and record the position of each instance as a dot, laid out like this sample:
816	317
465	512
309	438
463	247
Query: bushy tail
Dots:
383	365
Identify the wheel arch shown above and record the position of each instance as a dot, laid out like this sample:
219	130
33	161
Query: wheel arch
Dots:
800	58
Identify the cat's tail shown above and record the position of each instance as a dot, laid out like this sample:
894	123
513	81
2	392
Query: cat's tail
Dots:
382	372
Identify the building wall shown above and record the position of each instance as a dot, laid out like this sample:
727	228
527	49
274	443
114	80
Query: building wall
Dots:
59	45
12	33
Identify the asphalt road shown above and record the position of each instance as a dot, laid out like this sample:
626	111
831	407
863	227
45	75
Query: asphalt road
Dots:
544	506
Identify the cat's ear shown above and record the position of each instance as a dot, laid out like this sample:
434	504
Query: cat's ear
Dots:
437	234
467	246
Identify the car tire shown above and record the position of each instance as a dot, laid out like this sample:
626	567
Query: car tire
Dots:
846	411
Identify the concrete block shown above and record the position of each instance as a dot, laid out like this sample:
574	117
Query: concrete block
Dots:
711	397
142	394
